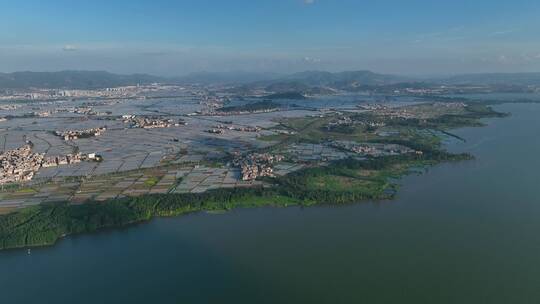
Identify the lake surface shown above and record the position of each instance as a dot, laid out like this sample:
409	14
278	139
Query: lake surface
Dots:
461	233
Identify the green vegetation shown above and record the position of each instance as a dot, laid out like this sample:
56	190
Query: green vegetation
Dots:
26	190
423	134
345	181
252	107
152	181
45	224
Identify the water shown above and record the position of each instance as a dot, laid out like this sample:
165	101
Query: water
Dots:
342	101
462	233
500	96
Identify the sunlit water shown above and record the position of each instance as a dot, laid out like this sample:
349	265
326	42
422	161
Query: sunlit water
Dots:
461	233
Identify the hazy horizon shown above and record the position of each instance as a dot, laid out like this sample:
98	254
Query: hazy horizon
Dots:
174	38
272	74
269	151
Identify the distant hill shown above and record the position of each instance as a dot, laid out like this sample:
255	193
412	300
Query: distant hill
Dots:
238	77
495	78
72	80
307	83
286	95
284	86
320	82
102	79
321	78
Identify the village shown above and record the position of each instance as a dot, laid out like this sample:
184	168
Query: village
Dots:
257	165
220	129
77	134
21	164
151	122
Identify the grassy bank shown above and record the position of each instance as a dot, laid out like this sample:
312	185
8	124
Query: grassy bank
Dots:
342	182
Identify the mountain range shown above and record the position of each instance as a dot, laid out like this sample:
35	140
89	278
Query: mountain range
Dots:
304	81
72	80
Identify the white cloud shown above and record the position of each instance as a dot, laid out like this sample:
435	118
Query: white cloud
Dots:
500	33
69	48
312	60
308	2
502	59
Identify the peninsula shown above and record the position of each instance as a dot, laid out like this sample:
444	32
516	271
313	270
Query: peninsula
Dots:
325	156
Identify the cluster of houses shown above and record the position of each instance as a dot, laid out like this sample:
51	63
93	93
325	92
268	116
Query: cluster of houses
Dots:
74	110
257	164
76	134
239	128
19	164
371	123
9	107
82	111
451	105
243	112
345	121
22	164
42	114
373	149
341	121
124	92
285	132
145	122
215	131
211	103
220	129
373	107
416	113
389	112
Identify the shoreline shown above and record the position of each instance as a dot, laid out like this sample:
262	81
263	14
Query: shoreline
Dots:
219	200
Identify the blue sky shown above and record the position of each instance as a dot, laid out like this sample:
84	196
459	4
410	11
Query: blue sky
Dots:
177	37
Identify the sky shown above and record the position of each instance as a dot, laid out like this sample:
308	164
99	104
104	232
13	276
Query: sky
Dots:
162	37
